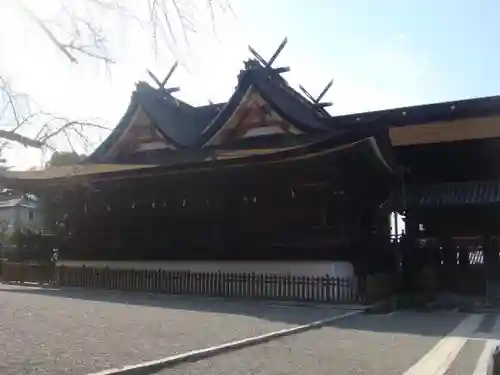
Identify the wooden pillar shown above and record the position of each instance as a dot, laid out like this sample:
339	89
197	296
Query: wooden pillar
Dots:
463	258
491	260
408	254
449	256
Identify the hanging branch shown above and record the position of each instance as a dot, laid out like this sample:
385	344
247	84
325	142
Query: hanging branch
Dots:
11	101
69	125
80	32
48	33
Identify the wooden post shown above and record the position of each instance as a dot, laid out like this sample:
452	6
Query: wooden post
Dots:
252	285
494	365
337	289
490	252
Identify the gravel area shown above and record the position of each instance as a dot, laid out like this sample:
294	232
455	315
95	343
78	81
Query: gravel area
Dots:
75	331
362	344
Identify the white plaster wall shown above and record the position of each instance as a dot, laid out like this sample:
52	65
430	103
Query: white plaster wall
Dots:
36	223
8	218
19	215
297	268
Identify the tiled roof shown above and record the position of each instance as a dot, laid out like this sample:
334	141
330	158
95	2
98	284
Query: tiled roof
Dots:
453	194
10	202
420	114
17	201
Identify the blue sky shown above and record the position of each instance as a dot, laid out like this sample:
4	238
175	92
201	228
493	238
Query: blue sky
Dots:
381	54
424	50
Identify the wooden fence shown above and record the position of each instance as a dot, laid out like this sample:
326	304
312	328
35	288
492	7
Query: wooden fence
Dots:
26	272
240	285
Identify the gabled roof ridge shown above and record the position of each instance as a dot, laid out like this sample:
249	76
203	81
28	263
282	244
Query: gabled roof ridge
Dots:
275	90
145	88
310	117
210	105
299	96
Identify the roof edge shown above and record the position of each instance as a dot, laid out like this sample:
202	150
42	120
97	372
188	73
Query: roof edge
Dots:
420	114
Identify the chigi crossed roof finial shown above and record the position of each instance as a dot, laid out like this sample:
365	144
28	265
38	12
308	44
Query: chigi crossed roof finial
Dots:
316	101
268	64
161	84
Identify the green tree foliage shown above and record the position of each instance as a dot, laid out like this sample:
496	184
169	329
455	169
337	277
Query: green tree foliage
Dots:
59	159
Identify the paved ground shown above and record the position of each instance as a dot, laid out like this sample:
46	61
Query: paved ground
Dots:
44	331
362	344
72	331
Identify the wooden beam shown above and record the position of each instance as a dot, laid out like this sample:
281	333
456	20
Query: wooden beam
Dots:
278	51
171	90
322	105
284	69
450	131
325	90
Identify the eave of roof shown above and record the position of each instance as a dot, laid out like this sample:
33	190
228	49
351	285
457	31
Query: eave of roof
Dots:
215	159
454	194
420	114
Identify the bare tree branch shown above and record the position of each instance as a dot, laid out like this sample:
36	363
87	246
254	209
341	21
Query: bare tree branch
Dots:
84	138
6	90
67	125
184	19
26	120
79	30
84	51
16	137
49	33
69	140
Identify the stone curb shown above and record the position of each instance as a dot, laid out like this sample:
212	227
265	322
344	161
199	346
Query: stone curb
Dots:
196	355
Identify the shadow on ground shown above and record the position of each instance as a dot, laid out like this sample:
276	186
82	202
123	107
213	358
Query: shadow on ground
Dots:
435	324
289	313
407	322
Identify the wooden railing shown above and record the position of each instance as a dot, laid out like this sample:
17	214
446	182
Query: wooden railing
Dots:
241	285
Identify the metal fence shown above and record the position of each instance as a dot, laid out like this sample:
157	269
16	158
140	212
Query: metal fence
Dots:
240	285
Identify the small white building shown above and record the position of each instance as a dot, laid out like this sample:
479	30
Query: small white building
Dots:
17	212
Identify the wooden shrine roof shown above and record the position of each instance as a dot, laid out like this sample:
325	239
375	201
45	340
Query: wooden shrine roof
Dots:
178	122
184	125
449	194
71	170
287	102
420	114
209	159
